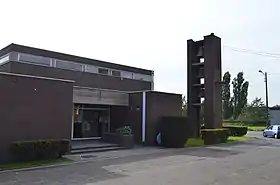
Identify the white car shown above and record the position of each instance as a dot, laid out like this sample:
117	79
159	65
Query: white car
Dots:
272	131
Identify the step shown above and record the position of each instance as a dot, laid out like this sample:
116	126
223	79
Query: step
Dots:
93	150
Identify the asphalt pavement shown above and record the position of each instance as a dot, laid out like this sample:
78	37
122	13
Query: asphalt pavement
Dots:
252	162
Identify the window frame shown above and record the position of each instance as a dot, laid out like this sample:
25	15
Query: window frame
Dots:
115	71
104	69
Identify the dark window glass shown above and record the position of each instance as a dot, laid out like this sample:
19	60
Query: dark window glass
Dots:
103	71
116	73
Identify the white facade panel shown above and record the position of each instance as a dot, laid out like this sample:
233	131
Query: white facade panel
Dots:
99	96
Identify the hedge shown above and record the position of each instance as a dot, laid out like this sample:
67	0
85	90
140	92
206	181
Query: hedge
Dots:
247	123
237	130
33	150
174	131
214	136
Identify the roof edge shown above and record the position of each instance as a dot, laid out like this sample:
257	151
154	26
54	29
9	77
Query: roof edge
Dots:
37	77
65	56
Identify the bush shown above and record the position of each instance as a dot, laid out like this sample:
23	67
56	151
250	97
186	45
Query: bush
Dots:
237	130
214	136
125	131
245	123
174	131
34	150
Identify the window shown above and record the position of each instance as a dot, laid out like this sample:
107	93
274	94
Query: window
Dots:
69	65
126	74
32	59
91	69
116	73
103	71
4	59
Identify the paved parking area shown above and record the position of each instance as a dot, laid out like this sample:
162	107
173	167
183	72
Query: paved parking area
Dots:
255	162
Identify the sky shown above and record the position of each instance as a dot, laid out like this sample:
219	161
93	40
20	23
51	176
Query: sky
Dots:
153	34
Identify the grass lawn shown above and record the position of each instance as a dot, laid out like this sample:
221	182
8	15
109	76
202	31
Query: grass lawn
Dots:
239	138
256	128
10	166
192	142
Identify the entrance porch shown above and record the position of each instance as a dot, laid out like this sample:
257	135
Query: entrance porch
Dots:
92	121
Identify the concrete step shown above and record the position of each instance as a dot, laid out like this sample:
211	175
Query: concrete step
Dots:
95	149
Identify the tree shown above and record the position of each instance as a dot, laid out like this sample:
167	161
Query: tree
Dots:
240	93
184	105
254	112
226	99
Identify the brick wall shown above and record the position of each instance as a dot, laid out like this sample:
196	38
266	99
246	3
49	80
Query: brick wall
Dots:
33	108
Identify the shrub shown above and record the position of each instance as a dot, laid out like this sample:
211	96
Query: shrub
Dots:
33	150
214	136
125	131
237	130
174	131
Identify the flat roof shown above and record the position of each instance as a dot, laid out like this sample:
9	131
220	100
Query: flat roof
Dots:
62	56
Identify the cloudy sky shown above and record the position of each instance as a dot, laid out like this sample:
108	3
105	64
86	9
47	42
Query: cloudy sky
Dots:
152	34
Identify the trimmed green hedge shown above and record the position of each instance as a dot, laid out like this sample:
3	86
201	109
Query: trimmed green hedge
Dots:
174	131
214	136
237	130
247	123
34	150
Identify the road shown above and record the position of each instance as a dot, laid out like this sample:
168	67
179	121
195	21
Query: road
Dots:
255	162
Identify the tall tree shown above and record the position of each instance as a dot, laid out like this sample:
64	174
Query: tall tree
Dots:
240	93
255	112
226	100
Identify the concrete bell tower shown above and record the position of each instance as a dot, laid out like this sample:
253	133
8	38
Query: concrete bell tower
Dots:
204	82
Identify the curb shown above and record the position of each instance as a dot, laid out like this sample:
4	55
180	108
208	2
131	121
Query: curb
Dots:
53	165
63	164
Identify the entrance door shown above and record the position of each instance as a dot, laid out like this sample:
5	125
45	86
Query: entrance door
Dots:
90	123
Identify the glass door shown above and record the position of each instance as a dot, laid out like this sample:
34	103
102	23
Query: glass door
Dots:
90	122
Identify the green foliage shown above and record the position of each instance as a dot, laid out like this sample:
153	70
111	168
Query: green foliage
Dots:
214	136
239	138
20	165
226	97
125	131
174	131
255	112
34	150
236	130
195	142
240	93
